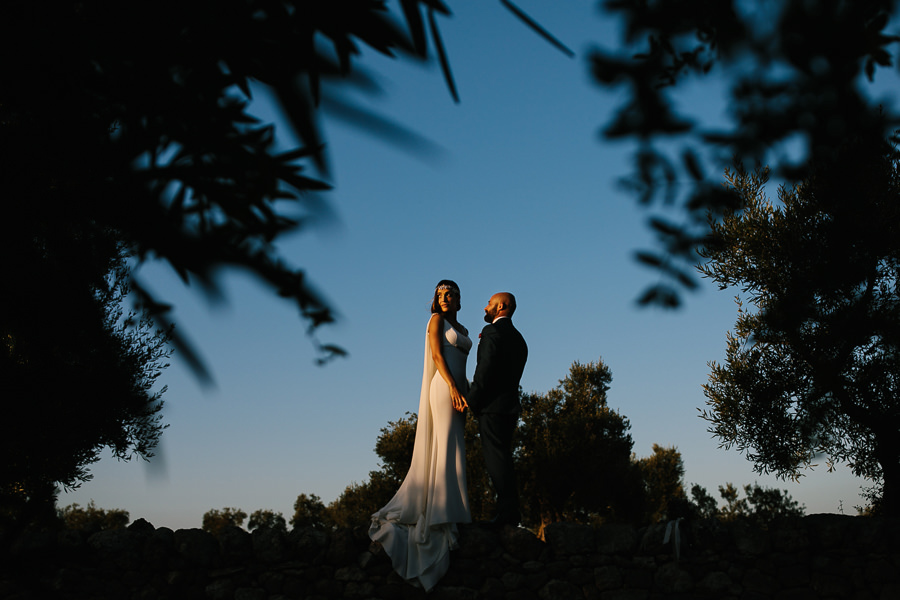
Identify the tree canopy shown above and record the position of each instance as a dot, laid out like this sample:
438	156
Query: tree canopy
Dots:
215	520
812	367
266	519
309	511
79	371
759	507
92	519
663	475
795	75
573	453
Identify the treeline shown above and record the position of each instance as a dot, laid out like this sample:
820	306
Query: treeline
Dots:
759	506
574	461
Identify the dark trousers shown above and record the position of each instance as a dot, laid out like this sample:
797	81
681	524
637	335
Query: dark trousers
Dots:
497	439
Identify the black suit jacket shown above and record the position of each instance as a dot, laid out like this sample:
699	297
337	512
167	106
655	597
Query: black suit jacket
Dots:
502	353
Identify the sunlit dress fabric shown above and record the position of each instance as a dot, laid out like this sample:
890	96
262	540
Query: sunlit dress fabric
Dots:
417	528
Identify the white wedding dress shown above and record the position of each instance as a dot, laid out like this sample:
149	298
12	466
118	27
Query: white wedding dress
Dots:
417	528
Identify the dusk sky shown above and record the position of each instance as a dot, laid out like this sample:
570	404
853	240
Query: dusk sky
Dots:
517	191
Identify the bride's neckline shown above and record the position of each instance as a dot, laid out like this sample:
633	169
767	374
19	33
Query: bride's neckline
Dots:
455	325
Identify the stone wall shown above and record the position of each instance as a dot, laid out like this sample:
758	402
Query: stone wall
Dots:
818	556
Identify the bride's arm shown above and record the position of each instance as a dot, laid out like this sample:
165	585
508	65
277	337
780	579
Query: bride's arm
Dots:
435	329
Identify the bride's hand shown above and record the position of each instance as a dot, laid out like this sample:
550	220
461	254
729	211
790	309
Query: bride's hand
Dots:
459	403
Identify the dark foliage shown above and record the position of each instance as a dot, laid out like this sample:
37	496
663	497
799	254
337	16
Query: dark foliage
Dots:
309	512
354	508
91	519
215	520
478	482
573	455
814	370
760	507
663	474
793	71
78	373
266	519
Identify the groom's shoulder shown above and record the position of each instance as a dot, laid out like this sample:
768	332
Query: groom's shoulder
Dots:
500	328
489	330
505	324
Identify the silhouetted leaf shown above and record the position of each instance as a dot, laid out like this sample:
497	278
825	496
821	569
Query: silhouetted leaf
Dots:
664	227
416	26
652	260
692	164
442	55
648	297
302	183
333	350
660	295
292	155
536	27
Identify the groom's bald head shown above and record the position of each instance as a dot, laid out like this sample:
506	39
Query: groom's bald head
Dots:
507	303
501	304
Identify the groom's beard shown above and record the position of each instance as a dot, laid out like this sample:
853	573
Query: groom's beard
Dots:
488	318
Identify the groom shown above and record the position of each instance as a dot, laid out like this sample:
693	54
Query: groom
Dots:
494	399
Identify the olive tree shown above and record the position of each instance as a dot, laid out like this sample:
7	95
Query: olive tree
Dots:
812	367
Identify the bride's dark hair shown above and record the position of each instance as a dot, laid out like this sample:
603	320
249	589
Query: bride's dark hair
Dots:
435	306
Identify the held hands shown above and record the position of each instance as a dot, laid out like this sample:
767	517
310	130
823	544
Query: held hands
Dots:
459	403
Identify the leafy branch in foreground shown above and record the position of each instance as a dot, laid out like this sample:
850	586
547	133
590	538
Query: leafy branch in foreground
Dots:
796	78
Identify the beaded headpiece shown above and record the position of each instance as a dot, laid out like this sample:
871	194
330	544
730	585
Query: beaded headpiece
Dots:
447	286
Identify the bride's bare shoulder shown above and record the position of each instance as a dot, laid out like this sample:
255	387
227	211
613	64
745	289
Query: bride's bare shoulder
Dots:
436	320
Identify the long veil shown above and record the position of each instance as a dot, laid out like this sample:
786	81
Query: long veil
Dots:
411	500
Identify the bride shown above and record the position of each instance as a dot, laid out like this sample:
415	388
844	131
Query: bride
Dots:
417	528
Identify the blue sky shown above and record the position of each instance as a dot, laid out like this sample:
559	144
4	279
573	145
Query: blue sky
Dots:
519	193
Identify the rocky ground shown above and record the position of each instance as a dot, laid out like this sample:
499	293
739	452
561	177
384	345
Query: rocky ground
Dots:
818	556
